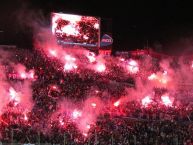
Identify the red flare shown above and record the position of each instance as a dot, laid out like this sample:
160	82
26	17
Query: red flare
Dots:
116	104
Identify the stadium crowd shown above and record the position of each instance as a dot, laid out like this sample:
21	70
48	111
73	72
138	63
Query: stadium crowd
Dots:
130	123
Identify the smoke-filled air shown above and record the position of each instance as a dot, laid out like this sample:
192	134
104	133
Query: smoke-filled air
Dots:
55	89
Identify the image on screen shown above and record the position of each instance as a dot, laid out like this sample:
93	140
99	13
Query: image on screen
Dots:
76	29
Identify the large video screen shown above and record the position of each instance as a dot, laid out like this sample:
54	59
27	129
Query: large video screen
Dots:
76	29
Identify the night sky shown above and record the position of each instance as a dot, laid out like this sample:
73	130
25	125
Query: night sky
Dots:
167	25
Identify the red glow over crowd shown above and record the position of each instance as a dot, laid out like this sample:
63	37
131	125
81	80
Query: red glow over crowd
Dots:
89	98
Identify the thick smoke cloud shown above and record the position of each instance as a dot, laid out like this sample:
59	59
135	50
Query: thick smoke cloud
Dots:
147	77
10	90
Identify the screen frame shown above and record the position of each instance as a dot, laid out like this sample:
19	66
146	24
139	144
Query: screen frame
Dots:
74	43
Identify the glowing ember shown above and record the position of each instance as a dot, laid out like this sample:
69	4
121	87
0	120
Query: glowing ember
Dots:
91	57
16	103
133	66
85	134
166	100
27	75
31	74
96	91
25	117
61	122
152	76
70	66
116	104
122	59
146	101
163	80
93	105
76	114
23	75
13	94
69	58
85	37
54	87
101	68
53	52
